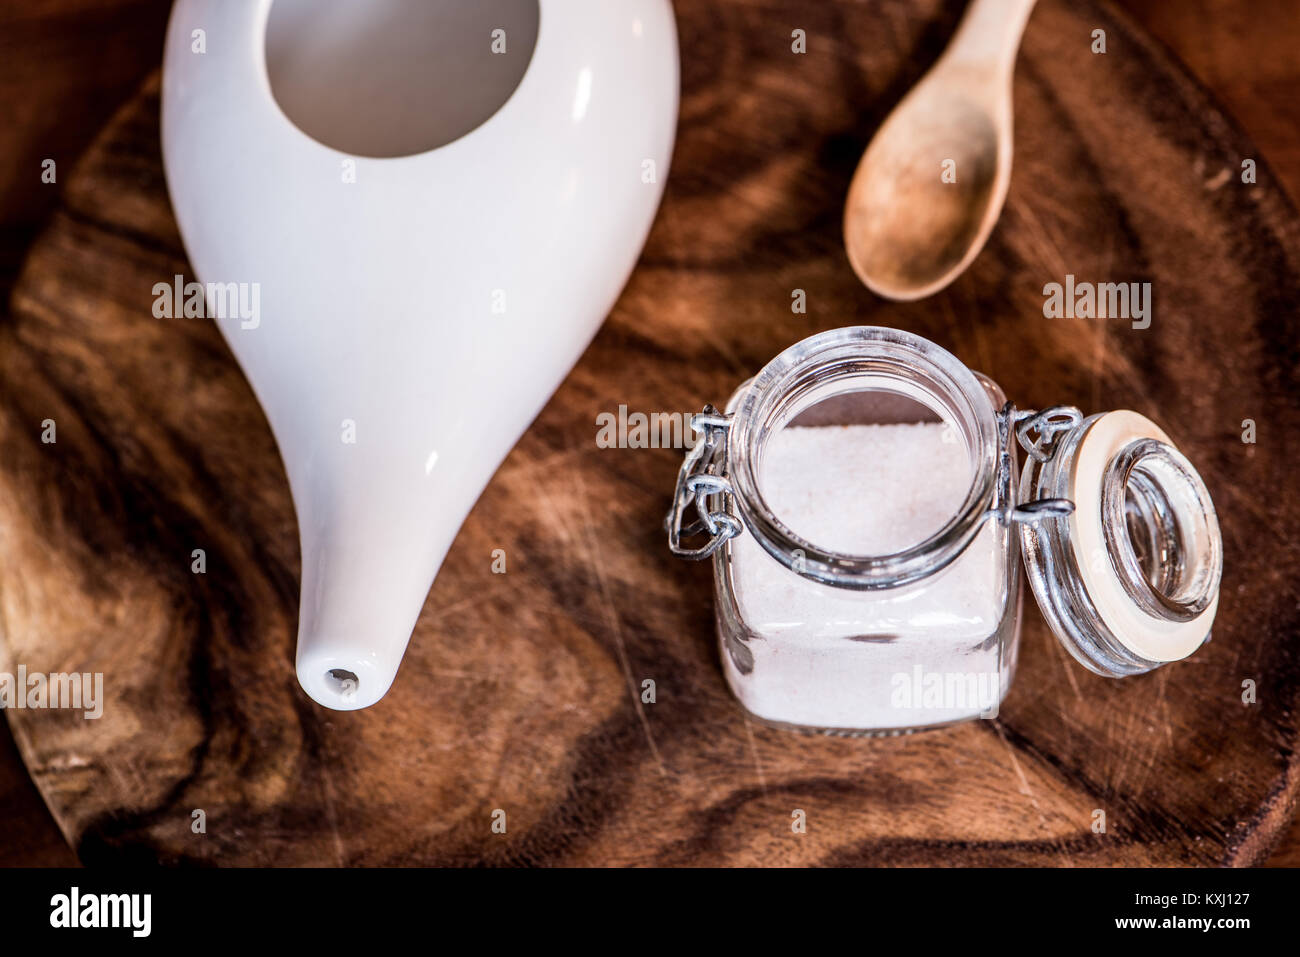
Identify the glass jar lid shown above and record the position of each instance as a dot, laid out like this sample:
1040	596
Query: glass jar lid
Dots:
1129	580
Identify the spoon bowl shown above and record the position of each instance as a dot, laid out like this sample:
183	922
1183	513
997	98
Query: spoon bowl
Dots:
931	184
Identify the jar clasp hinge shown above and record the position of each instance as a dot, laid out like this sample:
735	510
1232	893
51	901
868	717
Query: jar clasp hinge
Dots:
1038	434
700	481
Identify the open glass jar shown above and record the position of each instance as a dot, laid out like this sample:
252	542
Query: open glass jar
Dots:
858	498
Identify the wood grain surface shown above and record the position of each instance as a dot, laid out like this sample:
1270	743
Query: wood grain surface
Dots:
521	691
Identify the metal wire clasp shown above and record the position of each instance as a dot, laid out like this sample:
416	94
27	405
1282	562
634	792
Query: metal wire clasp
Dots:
1049	424
1037	432
703	477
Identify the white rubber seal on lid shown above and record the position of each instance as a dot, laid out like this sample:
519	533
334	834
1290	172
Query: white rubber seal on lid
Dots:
1155	639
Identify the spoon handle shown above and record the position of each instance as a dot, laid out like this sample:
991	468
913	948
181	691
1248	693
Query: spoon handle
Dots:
989	33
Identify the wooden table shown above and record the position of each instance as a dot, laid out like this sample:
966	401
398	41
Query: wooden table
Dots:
72	62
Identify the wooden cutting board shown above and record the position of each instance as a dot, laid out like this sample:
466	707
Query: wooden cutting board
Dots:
522	692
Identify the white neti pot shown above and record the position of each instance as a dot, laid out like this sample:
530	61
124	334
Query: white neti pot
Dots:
413	312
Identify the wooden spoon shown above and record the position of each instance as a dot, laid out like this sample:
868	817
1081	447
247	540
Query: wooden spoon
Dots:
932	181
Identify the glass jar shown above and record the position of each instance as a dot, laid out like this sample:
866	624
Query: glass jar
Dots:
1117	532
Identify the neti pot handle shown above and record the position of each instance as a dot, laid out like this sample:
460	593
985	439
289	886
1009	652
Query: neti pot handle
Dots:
702	479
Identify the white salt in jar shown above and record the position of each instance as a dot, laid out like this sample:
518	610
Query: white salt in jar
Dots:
859	503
